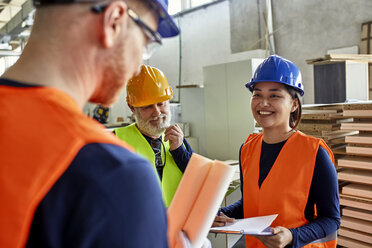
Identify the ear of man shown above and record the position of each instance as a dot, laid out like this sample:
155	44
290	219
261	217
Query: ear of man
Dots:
114	20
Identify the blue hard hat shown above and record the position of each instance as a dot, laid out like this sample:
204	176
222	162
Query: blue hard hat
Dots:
280	70
167	27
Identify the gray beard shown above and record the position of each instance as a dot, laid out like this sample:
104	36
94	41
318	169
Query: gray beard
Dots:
150	129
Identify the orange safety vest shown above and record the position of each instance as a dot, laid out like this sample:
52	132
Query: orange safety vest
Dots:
42	131
286	188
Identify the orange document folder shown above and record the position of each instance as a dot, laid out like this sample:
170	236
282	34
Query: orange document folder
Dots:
197	199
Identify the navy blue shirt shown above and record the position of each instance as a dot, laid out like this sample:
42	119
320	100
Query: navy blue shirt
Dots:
323	193
107	197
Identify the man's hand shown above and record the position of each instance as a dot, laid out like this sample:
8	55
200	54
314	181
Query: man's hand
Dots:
175	136
222	220
282	237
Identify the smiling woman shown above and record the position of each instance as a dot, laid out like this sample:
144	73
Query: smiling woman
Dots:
284	171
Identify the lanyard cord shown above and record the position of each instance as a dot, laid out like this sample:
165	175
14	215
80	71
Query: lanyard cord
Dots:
165	154
158	154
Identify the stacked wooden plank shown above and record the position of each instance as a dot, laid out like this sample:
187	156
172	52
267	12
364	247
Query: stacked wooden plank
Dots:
324	121
347	129
356	176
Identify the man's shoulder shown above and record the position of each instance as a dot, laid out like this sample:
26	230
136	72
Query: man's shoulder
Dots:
112	170
106	157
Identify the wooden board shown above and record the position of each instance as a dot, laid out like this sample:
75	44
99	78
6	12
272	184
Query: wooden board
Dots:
342	132
349	56
325	106
356	126
367	151
315	127
339	151
312	61
355	202
365	138
357	213
340	57
334	146
356	224
363	120
338	156
340	140
329	121
306	111
360	190
352	243
322	116
355	162
357	113
370	78
328	135
354	234
342	151
356	176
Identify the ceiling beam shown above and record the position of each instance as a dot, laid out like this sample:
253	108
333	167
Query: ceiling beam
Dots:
14	26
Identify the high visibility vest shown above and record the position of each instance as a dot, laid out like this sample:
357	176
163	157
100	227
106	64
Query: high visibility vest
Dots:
285	190
42	131
171	173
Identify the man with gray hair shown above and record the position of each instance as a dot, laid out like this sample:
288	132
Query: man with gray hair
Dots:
152	135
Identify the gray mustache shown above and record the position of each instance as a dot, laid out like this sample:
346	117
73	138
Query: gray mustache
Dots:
158	117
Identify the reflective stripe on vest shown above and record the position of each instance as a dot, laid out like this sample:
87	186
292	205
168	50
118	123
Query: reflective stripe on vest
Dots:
171	173
43	130
286	188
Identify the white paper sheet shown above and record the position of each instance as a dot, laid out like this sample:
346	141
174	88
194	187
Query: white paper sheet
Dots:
254	226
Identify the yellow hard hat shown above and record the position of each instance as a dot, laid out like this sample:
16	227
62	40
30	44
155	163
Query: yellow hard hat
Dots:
149	87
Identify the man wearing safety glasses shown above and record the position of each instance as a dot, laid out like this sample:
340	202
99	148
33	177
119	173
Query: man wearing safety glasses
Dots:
65	181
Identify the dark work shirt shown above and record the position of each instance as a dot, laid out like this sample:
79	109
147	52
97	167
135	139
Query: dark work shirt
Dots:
101	200
268	156
181	155
323	193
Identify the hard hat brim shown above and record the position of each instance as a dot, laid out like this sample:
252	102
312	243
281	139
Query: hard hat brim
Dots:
251	84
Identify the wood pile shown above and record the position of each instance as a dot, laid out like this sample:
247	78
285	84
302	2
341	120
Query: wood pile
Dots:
353	152
356	196
324	121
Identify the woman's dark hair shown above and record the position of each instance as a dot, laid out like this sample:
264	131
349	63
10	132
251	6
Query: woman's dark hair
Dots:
295	117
